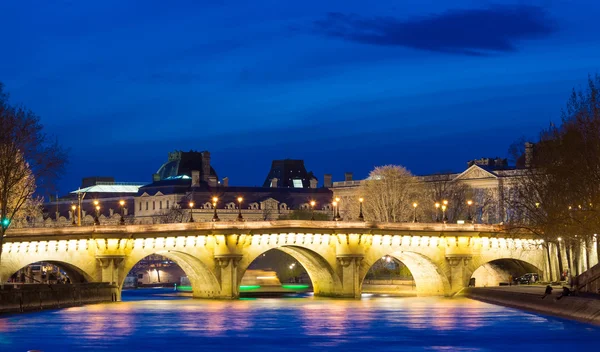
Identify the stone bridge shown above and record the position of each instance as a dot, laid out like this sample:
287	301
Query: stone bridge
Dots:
337	255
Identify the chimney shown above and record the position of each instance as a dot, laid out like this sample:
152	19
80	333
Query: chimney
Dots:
313	183
195	178
348	176
155	177
212	181
225	182
274	182
528	154
327	181
205	166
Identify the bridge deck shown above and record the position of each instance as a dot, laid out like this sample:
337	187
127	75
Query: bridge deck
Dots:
255	227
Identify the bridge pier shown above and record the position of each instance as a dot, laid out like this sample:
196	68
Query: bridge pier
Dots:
227	275
459	275
110	266
350	275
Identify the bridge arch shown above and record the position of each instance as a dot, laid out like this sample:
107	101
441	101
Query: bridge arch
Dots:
501	270
204	283
324	279
429	279
74	272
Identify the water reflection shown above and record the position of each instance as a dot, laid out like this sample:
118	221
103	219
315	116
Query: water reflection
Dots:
150	322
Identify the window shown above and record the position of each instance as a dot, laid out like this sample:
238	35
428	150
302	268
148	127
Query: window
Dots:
140	276
140	206
146	205
297	183
167	204
160	205
153	205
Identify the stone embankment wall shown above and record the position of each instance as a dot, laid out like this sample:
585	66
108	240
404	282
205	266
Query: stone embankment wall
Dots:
32	297
583	309
589	281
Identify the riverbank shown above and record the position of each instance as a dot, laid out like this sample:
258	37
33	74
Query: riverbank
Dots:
33	297
529	298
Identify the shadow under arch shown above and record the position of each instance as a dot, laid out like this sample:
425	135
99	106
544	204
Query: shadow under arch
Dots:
324	280
429	280
203	281
74	273
501	270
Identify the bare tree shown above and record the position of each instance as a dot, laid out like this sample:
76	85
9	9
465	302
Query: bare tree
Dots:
27	155
388	194
440	187
558	196
168	216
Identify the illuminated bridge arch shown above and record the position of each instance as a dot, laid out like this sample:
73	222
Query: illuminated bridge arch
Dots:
429	278
201	275
313	253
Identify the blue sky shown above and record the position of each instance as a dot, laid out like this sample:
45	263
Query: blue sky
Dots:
345	85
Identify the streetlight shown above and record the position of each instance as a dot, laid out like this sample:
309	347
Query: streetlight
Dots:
469	217
334	203
80	197
337	215
444	207
191	204
360	214
74	207
437	212
97	220
312	209
240	217
215	216
122	204
415	205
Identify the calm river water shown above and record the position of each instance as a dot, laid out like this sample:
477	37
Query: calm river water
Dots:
146	321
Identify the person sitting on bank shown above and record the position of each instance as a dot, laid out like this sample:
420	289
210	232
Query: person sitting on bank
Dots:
566	292
547	292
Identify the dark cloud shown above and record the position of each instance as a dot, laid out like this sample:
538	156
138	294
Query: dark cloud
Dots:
468	32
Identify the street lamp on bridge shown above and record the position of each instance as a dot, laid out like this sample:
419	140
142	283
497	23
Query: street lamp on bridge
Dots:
337	207
360	213
312	210
240	217
469	217
191	204
215	216
437	211
74	207
122	204
97	206
415	205
444	207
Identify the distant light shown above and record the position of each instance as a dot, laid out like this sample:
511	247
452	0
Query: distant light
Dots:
460	222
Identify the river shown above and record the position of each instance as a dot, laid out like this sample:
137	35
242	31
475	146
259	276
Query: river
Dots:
158	320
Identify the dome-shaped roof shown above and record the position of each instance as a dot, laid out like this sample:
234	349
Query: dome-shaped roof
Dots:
183	163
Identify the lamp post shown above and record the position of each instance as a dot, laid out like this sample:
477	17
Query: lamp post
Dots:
415	205
240	217
469	217
337	214
122	204
360	213
437	212
74	207
191	204
80	197
215	216
97	206
312	210
334	203
444	207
